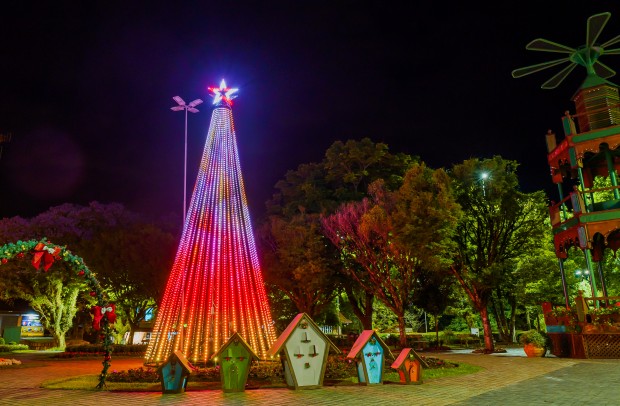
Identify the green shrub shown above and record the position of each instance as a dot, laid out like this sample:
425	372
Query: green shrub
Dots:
13	347
1	340
533	337
339	367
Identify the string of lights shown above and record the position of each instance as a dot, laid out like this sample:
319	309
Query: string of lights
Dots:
216	262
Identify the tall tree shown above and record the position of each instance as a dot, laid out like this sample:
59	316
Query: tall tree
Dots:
318	188
500	225
133	263
299	262
393	236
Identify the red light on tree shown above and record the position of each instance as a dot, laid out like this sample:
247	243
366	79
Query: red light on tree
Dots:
216	286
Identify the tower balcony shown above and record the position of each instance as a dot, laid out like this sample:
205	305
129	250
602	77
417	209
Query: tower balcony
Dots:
580	221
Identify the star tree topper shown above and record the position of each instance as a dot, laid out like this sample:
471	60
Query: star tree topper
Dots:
223	95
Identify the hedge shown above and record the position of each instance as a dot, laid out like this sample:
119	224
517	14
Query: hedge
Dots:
12	347
98	348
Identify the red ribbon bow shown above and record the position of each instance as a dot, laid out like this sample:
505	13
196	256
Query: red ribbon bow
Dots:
101	312
45	254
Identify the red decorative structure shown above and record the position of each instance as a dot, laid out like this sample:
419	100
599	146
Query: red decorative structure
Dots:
215	287
585	222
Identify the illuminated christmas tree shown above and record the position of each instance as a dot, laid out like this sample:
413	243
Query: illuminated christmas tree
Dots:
215	287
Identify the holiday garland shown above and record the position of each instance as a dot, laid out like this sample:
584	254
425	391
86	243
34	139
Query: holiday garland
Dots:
44	254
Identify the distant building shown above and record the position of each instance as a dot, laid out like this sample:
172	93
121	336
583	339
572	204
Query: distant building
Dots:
18	320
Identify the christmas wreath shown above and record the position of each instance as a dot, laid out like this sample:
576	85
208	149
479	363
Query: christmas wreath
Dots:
44	254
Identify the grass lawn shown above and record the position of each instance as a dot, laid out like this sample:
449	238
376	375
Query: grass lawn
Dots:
89	382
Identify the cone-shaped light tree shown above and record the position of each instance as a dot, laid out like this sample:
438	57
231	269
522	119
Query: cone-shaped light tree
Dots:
215	287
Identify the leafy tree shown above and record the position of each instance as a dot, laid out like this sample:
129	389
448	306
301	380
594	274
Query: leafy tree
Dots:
299	262
133	264
52	294
318	188
394	236
434	293
129	255
500	225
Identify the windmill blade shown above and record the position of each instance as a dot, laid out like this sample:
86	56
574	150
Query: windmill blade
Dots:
541	44
517	73
611	42
611	51
603	70
596	23
558	77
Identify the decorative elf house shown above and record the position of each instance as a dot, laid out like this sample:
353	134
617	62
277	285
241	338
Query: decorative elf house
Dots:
303	350
369	352
586	222
409	366
44	254
174	372
234	358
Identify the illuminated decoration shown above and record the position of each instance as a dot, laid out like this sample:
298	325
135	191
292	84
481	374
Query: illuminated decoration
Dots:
223	95
215	287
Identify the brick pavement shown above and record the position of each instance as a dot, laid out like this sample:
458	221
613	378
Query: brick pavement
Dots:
505	380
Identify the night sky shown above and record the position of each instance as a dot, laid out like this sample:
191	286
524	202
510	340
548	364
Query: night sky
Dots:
86	89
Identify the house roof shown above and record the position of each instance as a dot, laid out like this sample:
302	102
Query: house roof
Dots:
286	334
187	367
403	356
361	341
236	338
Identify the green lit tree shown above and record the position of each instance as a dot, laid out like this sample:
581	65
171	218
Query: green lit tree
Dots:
501	224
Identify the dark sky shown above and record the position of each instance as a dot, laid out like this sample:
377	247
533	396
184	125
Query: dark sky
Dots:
86	89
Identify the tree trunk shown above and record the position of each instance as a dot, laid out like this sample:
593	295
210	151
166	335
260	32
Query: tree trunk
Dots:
59	339
363	313
528	319
132	330
500	316
480	302
401	328
436	316
513	318
488	333
493	303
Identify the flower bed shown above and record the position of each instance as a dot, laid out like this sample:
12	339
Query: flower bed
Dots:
338	368
4	362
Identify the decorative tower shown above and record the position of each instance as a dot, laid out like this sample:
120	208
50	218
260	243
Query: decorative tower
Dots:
587	160
215	288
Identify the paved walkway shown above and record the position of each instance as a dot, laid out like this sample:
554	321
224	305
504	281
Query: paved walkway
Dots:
507	379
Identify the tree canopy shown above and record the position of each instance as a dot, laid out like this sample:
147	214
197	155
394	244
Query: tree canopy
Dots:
394	236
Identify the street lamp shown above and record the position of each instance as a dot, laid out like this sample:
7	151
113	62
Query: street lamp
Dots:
483	177
191	107
585	275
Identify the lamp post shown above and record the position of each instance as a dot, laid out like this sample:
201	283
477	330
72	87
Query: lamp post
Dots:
585	275
483	177
191	107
